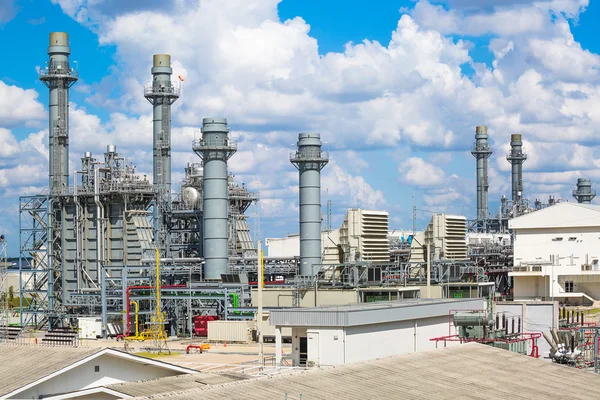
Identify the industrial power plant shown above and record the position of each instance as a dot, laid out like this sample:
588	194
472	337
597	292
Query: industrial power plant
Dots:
151	261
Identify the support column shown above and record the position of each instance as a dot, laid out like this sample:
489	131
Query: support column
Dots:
278	346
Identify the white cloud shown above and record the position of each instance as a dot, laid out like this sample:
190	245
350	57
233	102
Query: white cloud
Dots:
19	106
267	77
417	172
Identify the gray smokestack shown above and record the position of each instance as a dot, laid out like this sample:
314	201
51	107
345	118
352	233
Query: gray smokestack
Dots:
584	192
162	94
58	76
516	158
481	152
215	149
310	161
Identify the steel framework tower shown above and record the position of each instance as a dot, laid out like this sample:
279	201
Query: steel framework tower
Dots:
516	157
584	192
162	93
215	148
58	76
481	151
309	160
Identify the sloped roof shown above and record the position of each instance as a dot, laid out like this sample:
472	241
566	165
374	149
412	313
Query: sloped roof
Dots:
561	215
174	383
472	370
22	364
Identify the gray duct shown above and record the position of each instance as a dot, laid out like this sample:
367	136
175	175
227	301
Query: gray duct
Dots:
516	157
58	76
162	94
584	192
215	149
481	152
310	161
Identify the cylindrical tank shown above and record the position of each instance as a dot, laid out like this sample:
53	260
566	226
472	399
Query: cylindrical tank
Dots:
309	160
472	319
111	148
584	192
215	149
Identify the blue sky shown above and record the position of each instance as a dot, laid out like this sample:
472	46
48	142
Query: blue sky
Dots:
396	89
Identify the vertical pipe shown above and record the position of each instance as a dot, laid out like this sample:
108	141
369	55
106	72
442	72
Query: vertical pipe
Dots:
519	325
516	158
481	151
259	314
58	76
215	148
497	321
512	330
309	160
162	94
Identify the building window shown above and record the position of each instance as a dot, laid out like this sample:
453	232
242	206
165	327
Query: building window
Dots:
569	286
97	368
572	239
557	239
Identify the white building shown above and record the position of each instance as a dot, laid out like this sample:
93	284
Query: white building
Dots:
339	335
556	252
38	371
446	237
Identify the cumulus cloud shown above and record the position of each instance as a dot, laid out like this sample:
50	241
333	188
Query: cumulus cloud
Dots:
19	106
410	93
417	172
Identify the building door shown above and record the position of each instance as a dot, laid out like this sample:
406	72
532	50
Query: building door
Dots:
303	351
314	349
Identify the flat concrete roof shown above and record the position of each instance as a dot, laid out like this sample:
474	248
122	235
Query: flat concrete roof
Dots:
467	371
371	313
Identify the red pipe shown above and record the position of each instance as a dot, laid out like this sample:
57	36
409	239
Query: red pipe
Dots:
268	282
127	291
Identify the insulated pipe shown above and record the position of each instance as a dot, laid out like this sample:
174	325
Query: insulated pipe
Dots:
215	148
309	160
584	192
516	157
162	94
58	77
481	151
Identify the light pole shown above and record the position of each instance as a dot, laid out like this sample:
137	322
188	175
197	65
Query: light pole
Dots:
190	308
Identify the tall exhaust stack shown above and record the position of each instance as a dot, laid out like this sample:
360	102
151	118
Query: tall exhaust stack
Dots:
584	192
162	93
481	152
516	157
215	148
310	160
58	76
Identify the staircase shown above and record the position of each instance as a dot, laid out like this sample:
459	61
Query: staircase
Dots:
60	337
10	333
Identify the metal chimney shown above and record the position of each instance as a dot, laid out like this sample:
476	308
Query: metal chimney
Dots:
162	93
516	157
584	192
481	151
58	76
215	148
310	161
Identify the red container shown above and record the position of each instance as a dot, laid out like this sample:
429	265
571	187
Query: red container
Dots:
201	324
